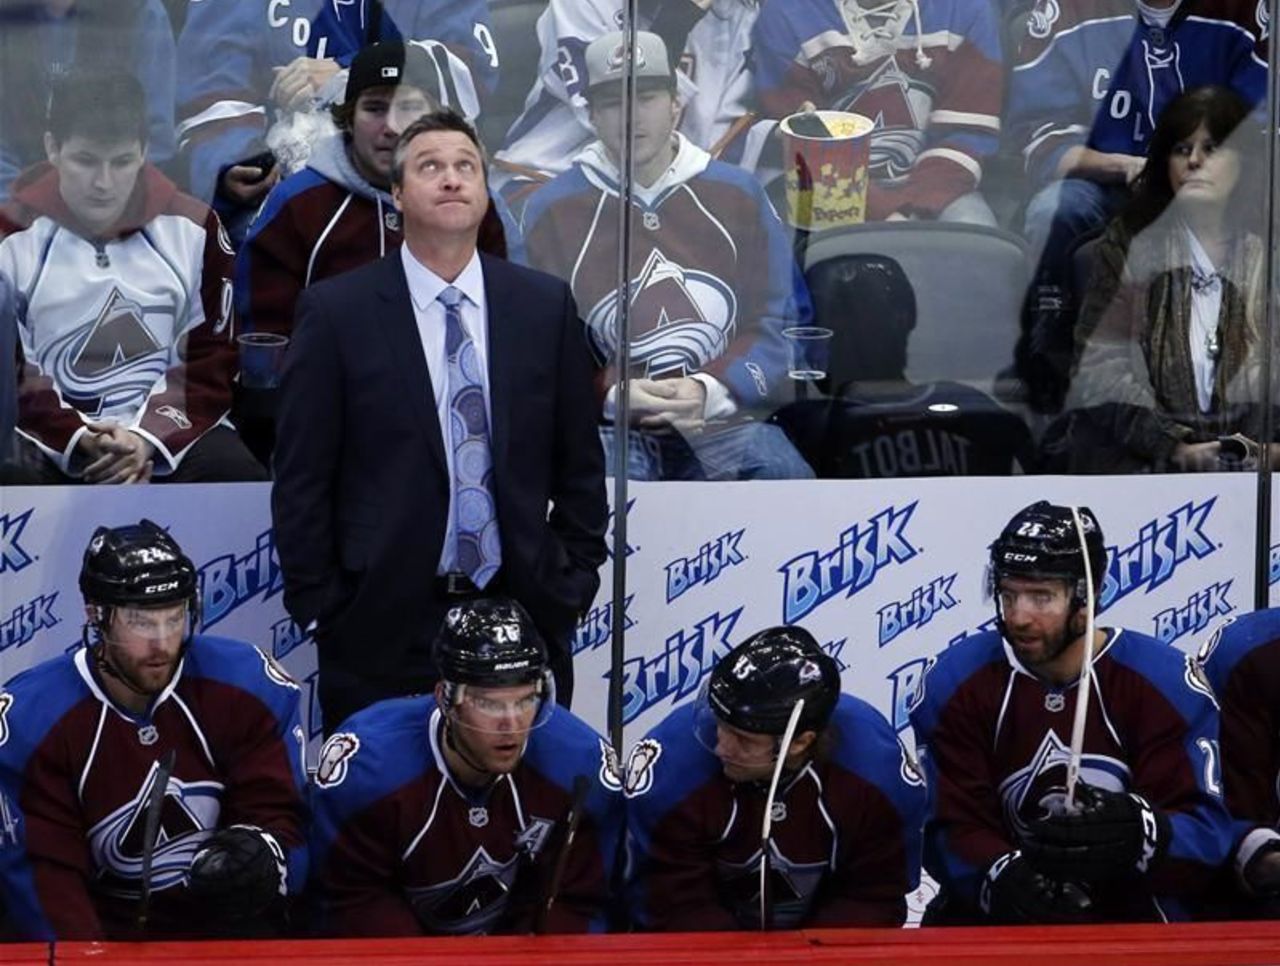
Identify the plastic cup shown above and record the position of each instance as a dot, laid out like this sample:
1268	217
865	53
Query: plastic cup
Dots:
809	347
826	175
261	358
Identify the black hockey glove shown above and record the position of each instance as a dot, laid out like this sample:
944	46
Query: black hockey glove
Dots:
1112	834
238	873
1014	893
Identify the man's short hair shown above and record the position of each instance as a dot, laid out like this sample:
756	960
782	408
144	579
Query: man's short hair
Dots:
100	105
445	119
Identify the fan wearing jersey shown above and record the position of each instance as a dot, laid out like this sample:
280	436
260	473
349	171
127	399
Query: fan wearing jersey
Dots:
927	72
844	847
151	781
482	808
713	283
1146	830
1242	662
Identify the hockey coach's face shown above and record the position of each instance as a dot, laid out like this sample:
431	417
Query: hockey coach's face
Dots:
443	190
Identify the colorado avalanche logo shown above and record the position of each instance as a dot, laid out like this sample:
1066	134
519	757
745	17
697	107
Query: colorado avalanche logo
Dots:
188	816
681	319
472	902
1040	789
900	108
1041	19
335	757
109	363
640	764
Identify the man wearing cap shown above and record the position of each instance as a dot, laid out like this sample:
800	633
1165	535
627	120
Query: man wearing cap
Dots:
844	847
337	213
713	282
436	439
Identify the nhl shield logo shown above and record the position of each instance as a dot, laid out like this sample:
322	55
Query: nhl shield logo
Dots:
335	757
478	816
1055	701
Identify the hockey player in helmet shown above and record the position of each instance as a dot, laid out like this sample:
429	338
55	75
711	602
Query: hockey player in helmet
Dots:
449	813
1144	830
844	847
154	777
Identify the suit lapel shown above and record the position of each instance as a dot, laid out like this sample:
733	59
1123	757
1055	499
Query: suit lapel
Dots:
400	327
503	344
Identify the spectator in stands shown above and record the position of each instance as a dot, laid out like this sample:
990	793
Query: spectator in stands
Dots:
928	72
126	320
1170	333
713	282
242	65
41	40
877	423
1091	81
713	83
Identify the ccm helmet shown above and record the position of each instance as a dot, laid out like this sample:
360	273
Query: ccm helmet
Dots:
137	565
1041	542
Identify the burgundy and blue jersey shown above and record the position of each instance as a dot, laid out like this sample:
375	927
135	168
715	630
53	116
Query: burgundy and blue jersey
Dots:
401	848
994	741
1242	662
1094	73
845	843
76	776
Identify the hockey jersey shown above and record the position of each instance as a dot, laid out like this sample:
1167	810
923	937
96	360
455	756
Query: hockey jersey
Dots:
1242	662
76	773
229	49
994	741
927	72
1093	73
714	82
323	221
713	279
401	848
845	844
136	328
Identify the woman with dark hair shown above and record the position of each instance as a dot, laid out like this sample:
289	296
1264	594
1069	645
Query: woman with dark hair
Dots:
1168	339
43	40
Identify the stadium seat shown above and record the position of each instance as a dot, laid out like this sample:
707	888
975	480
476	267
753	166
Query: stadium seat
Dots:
969	284
515	35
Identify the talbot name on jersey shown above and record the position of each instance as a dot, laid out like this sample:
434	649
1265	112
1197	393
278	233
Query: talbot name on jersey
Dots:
864	550
918	609
710	561
1200	610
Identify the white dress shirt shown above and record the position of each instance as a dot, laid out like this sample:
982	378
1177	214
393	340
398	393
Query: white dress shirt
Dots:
429	313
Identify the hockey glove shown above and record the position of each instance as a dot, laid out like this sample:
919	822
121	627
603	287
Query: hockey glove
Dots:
238	873
1013	893
1112	834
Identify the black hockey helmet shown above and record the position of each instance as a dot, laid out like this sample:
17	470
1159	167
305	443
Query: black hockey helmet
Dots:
137	565
490	642
756	685
1041	542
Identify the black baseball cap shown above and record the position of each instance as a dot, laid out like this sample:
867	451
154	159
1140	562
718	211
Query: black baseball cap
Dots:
389	64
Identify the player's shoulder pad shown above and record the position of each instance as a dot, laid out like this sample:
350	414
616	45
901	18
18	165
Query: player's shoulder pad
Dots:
866	745
1234	640
375	751
1174	673
32	702
566	747
668	763
948	671
244	666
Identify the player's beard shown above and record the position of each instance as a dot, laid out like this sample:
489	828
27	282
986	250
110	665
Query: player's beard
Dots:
1053	645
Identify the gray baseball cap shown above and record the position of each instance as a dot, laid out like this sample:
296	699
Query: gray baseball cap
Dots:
604	57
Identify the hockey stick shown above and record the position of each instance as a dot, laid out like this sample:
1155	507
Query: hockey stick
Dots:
151	831
581	786
766	826
1085	684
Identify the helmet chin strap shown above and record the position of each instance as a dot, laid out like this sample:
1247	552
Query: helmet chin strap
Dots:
456	748
99	651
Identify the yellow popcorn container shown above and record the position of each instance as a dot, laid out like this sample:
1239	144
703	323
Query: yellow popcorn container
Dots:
826	171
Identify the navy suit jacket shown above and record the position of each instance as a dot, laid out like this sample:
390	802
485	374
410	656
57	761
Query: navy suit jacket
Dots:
361	489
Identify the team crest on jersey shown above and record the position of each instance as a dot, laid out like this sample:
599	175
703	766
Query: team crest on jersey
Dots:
335	758
1039	789
6	702
471	902
610	768
681	318
792	886
188	814
1197	681
900	106
275	673
1042	18
533	837
111	361
640	765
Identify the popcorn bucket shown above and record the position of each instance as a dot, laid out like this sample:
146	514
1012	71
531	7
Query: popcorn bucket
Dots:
826	171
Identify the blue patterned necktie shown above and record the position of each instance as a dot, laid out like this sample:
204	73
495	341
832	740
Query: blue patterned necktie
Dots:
475	520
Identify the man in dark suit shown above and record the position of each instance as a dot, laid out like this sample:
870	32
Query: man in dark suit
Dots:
436	438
